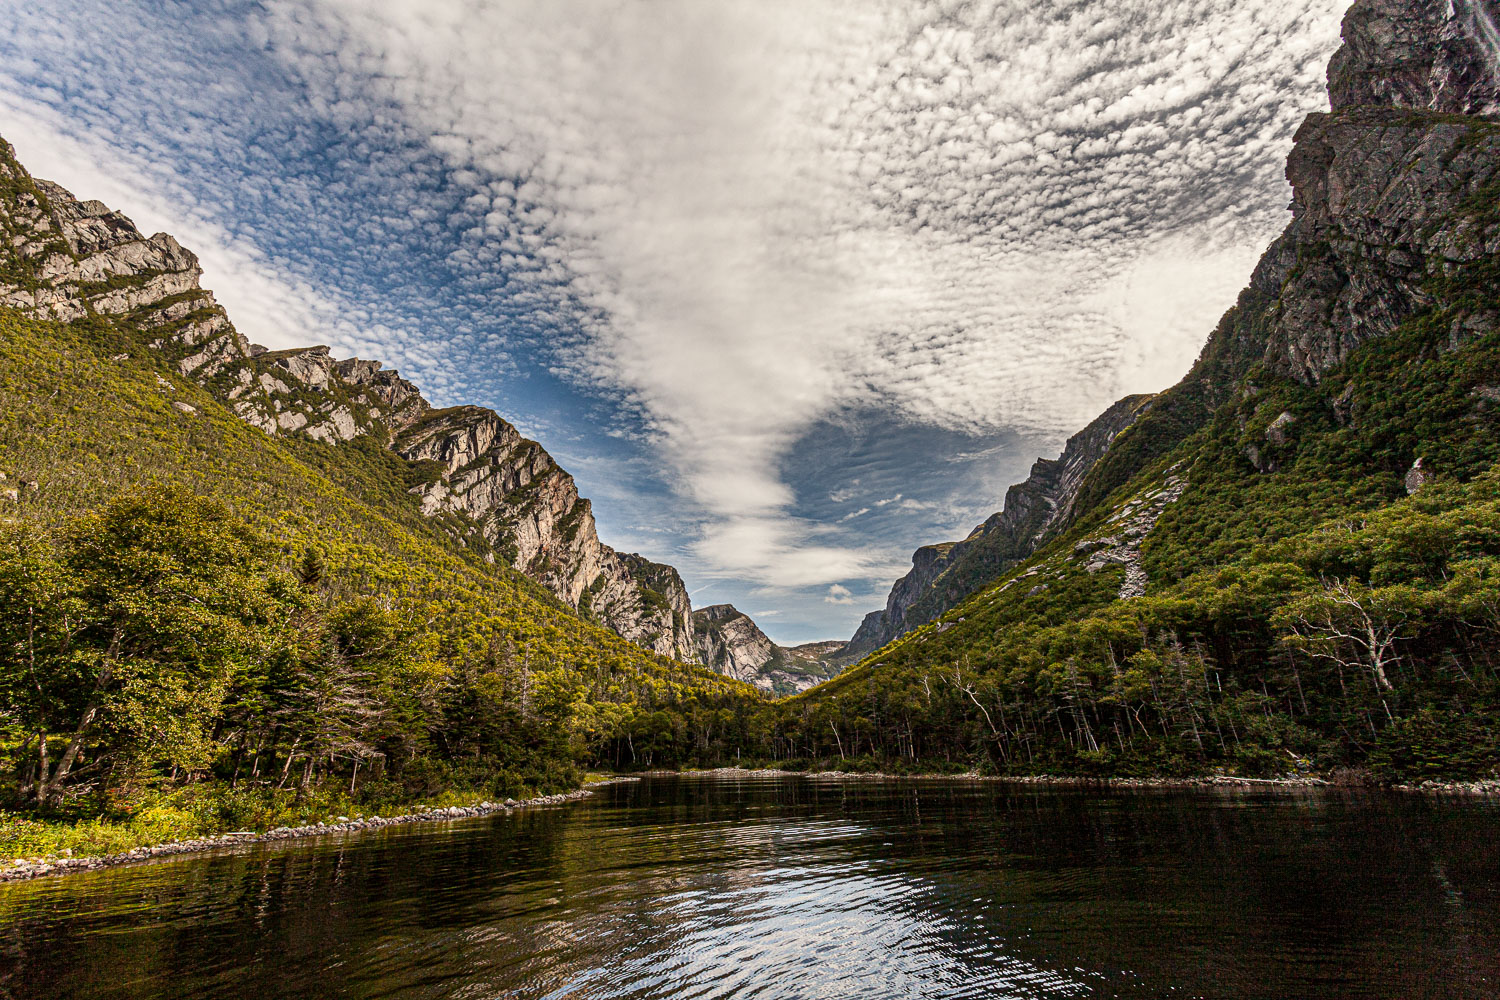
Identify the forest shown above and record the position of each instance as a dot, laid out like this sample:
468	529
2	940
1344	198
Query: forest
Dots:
1365	648
202	628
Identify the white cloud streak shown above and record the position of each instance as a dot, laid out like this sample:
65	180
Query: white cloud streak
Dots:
739	218
977	215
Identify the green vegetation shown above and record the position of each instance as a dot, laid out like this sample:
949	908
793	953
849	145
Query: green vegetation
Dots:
211	628
1303	613
1365	643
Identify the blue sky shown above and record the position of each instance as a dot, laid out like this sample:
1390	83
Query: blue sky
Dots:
790	287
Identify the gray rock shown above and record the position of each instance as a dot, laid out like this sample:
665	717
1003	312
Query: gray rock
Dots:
1418	476
1276	433
1411	54
943	575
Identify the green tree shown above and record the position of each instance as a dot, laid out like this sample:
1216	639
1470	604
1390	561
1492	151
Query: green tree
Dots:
38	619
173	603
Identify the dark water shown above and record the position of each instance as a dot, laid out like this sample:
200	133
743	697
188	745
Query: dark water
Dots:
791	888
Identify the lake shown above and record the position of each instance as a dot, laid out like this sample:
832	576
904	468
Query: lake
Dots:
791	887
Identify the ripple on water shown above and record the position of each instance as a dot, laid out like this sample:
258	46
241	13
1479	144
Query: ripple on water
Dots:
795	889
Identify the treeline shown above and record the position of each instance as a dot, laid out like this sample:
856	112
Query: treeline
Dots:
1371	644
162	640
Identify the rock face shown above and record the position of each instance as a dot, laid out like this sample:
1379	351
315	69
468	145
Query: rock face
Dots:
1395	196
729	642
1437	56
943	575
67	260
1375	221
1381	183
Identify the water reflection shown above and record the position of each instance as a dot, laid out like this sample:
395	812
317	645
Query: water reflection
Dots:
795	888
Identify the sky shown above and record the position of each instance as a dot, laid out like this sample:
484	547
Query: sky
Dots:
791	287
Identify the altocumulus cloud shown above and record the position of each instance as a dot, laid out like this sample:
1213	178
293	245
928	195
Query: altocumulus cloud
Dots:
977	215
732	220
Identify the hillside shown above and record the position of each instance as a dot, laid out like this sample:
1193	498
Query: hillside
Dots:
1289	559
185	595
495	492
944	574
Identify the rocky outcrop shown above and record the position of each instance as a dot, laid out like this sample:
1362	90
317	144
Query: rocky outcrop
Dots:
1391	187
1126	530
1432	55
1376	220
67	260
943	575
729	642
807	666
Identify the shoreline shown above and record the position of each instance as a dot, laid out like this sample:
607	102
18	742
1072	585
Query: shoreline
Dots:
23	869
1478	788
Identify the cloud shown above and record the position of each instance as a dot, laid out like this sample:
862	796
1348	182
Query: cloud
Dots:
746	216
716	225
838	594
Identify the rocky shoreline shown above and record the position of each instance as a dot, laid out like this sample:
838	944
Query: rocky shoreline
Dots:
1481	787
27	868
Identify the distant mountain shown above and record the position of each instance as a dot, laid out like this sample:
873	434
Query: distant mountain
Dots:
496	492
729	642
1291	558
944	574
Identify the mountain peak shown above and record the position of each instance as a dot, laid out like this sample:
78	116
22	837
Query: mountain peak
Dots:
1418	54
498	494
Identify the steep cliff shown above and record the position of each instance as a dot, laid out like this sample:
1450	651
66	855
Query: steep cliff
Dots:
1388	196
942	575
494	490
1243	571
1433	56
729	642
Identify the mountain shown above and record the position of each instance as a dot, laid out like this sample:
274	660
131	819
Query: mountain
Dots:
243	587
495	491
1399	54
944	574
1291	558
729	642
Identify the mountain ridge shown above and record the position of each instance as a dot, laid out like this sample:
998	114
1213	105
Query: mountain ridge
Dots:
731	643
496	490
942	575
1289	560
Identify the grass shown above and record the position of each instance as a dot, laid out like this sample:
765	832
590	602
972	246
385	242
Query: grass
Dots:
208	810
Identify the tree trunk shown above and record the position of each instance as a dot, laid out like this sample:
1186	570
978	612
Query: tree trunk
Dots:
50	788
1377	661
